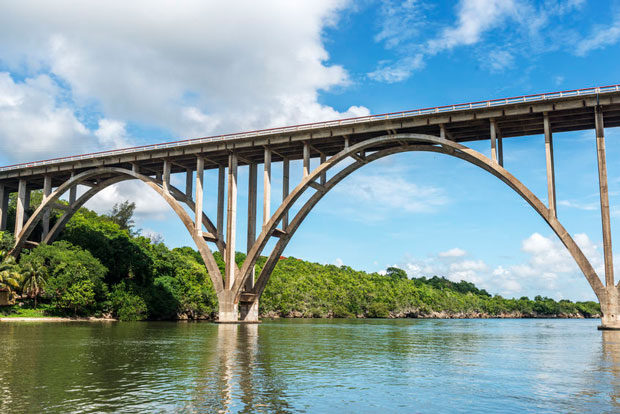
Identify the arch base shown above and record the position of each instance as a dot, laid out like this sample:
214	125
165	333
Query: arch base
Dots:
229	311
610	307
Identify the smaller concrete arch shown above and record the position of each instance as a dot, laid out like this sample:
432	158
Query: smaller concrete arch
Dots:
121	174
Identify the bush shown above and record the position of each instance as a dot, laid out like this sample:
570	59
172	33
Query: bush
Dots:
75	277
127	305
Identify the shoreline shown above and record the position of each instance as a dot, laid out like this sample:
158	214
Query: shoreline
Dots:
271	317
55	319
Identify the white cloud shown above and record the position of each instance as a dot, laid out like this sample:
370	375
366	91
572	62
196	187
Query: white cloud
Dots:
112	133
149	204
499	60
400	22
33	123
455	252
549	269
193	69
601	37
474	18
386	192
338	262
534	28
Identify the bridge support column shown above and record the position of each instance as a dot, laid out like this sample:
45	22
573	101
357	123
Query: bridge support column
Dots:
221	182
4	206
45	221
267	187
285	189
550	166
228	310
603	189
20	210
610	303
493	133
610	307
248	312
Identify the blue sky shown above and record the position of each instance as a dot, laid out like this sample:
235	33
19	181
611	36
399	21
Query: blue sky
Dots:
78	77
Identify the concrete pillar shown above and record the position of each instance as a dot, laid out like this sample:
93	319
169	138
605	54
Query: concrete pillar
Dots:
45	221
306	159
166	176
135	167
285	189
4	206
267	187
610	307
21	207
248	311
602	178
198	198
251	235
189	182
500	150
346	142
228	310
231	222
323	178
72	192
221	182
550	166
493	140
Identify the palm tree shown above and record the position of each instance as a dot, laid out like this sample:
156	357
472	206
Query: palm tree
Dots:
9	276
33	280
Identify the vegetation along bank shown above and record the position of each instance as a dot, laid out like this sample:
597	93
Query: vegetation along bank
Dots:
103	267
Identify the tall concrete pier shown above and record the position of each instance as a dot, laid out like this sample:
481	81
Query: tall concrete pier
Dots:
341	147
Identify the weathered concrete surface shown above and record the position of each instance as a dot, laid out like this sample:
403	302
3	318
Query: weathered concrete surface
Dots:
228	310
610	306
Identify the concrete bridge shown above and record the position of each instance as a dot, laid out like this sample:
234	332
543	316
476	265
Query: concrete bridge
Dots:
342	147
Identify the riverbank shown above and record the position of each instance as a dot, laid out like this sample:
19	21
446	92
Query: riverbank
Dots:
415	314
55	319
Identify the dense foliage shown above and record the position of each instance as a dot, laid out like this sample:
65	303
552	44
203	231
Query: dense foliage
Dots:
102	267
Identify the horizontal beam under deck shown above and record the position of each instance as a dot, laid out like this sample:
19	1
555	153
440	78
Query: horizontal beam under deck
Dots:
512	120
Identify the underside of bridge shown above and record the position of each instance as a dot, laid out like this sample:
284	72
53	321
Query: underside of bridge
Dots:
342	148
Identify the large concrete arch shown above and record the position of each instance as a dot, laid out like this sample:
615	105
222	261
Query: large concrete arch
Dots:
172	197
402	143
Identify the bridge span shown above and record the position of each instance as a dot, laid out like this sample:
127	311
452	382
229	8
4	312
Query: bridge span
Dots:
342	147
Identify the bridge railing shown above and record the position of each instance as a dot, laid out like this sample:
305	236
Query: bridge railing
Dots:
324	124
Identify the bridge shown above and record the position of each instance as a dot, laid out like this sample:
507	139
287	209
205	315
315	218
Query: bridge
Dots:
341	147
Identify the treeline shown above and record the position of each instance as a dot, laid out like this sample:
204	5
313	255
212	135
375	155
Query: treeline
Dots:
102	267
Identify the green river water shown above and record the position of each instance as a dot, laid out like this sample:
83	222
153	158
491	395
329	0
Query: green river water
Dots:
313	366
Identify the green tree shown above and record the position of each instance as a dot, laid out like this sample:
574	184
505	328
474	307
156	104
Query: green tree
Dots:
78	297
396	273
122	214
69	265
9	275
126	304
33	279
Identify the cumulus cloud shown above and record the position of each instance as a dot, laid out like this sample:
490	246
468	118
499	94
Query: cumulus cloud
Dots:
455	252
193	69
149	204
548	270
112	133
33	123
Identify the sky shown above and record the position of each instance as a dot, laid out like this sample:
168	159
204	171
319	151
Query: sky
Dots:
82	76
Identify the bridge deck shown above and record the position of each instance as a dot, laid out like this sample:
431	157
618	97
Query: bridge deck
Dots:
521	116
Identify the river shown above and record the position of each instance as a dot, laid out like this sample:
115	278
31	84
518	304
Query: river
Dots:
313	366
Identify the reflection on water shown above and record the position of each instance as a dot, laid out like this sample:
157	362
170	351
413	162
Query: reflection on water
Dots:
310	366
